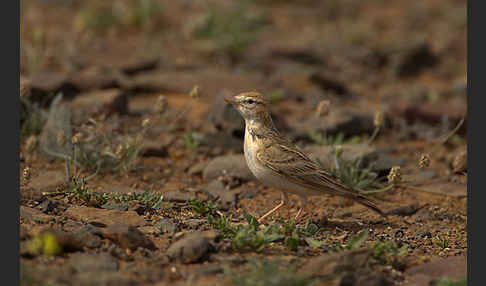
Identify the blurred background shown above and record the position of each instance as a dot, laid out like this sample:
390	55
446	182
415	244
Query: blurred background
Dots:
367	49
142	114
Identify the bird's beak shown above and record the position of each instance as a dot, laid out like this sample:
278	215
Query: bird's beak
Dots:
230	99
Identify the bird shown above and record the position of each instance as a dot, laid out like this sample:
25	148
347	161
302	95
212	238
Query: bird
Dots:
276	162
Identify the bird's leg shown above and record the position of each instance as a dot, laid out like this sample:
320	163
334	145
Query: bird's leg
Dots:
284	198
303	202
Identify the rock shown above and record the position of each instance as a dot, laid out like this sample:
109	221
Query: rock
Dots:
193	247
154	149
194	223
459	160
231	165
446	187
34	215
127	236
148	229
86	262
329	83
86	237
348	121
414	58
295	53
137	207
115	206
47	181
198	168
177	196
346	261
226	198
111	100
58	125
365	279
46	206
45	84
139	65
377	160
102	278
96	78
105	217
407	210
167	225
453	267
433	113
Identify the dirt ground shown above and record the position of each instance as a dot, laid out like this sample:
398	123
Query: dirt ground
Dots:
135	176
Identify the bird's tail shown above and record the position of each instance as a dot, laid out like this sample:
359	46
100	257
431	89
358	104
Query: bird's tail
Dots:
367	202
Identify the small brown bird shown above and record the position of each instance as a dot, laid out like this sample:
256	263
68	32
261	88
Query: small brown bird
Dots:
278	163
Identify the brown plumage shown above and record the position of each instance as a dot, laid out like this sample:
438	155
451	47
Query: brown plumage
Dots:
278	163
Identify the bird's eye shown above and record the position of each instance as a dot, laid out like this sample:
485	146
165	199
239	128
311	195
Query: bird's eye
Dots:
250	101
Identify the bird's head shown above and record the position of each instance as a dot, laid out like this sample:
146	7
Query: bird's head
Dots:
251	105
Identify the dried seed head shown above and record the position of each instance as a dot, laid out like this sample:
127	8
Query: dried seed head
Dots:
26	174
459	163
76	138
31	143
424	161
339	150
195	92
61	139
323	108
379	119
138	139
395	175
119	151
145	123
25	87
161	104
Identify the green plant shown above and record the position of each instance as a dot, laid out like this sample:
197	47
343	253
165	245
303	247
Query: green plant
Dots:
448	281
353	175
268	273
98	146
97	15
223	225
202	208
441	242
151	200
387	251
321	140
190	141
252	236
80	190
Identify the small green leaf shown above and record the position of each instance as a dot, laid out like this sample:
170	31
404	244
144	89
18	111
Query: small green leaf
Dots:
357	240
314	243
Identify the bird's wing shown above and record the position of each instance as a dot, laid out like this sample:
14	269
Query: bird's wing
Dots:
289	162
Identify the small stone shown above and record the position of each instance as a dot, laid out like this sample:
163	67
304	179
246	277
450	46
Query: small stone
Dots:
167	225
34	215
230	165
115	206
405	210
193	247
47	181
105	217
126	236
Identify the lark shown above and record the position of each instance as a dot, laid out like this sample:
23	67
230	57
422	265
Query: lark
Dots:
276	162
